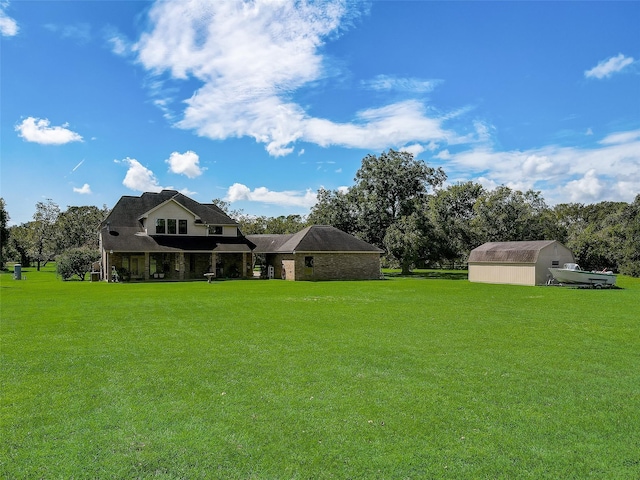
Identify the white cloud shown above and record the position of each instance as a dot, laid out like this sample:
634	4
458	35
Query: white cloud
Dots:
587	189
608	172
414	149
534	165
186	163
38	130
390	82
251	58
79	31
608	67
84	190
118	44
621	137
8	26
291	198
139	177
379	128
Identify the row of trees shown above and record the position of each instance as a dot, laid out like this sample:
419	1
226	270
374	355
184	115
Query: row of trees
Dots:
51	233
399	204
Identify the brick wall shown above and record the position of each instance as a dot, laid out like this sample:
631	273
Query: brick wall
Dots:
338	266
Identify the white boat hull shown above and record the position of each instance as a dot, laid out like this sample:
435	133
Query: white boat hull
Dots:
582	277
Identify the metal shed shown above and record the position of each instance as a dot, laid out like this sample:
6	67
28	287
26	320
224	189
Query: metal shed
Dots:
517	263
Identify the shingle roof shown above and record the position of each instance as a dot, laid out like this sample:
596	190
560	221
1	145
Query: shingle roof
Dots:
316	238
129	209
509	252
122	230
268	243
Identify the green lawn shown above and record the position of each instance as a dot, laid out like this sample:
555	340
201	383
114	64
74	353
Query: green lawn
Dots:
423	377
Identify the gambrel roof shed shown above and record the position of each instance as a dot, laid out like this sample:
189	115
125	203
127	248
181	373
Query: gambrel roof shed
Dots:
521	263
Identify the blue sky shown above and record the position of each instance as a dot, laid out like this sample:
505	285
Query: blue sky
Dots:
261	103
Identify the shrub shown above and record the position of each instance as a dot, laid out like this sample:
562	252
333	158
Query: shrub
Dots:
76	261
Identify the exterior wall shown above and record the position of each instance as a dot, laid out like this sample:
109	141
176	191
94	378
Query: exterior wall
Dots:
288	269
173	210
338	266
276	261
516	274
554	255
196	265
326	266
230	231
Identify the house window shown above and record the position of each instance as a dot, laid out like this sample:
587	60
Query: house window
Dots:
308	262
171	226
215	230
160	225
182	227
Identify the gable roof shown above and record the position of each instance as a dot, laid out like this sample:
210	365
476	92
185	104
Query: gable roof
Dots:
509	252
123	231
129	209
316	238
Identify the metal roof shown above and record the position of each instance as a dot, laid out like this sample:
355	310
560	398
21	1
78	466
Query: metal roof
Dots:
509	252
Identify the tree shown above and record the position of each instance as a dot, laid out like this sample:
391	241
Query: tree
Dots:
4	232
509	215
20	243
78	227
76	261
388	187
596	234
335	208
408	240
44	232
630	253
451	211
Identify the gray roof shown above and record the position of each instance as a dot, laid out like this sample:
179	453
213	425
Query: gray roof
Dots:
129	209
316	238
122	230
509	252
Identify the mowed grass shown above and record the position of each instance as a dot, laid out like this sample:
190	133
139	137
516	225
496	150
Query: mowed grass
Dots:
421	377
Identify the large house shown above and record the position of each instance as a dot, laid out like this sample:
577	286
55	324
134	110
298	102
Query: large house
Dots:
169	236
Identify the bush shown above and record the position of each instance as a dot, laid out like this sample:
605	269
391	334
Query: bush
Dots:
76	261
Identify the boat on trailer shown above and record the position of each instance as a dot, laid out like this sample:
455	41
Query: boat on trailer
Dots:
571	273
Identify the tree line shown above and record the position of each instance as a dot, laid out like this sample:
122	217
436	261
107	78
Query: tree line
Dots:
70	237
399	204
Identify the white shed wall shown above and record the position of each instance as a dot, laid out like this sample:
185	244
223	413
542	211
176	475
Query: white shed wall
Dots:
503	273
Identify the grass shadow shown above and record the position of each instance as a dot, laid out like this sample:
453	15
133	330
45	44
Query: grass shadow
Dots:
429	274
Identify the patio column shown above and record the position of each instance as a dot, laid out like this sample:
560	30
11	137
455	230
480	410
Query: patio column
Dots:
244	264
147	266
107	272
214	261
181	266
